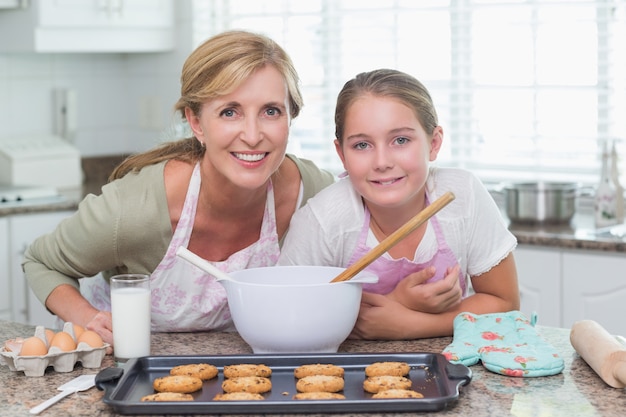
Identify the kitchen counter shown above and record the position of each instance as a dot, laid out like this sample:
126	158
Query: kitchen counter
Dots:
577	391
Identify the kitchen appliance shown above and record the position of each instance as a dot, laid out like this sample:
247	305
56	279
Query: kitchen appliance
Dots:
20	196
540	202
42	160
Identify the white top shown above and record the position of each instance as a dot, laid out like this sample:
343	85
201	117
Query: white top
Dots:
326	230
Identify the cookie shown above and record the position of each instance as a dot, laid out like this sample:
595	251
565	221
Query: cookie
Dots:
398	393
238	396
319	395
388	368
177	383
167	396
255	384
204	371
318	369
247	369
375	384
313	383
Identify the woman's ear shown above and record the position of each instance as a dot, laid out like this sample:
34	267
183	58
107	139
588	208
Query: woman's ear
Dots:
194	124
435	142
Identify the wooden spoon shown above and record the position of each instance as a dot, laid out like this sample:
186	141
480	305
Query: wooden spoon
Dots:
395	237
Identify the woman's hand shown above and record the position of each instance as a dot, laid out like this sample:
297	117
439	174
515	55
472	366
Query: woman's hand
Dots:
433	297
102	324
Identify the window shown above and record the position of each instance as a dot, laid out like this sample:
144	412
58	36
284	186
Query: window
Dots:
525	89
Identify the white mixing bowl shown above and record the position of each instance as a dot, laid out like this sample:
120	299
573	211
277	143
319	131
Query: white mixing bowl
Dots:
294	309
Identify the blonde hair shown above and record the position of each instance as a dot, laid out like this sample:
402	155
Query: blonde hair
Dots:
387	83
216	68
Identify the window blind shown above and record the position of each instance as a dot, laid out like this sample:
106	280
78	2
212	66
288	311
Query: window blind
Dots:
525	89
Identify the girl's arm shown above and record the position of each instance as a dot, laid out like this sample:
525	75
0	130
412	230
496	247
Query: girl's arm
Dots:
381	317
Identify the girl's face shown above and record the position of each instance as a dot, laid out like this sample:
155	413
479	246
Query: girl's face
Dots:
246	131
386	151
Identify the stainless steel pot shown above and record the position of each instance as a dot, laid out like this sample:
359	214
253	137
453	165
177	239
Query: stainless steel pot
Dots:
540	202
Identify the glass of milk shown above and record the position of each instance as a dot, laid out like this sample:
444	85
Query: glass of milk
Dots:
130	311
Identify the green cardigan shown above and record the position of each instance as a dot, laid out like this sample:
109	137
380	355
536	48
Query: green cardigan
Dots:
124	229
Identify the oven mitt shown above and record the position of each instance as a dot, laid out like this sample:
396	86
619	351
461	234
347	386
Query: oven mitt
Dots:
506	343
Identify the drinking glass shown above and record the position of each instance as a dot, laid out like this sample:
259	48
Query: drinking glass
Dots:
130	311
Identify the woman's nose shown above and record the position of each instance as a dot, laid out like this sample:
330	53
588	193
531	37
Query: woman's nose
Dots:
251	132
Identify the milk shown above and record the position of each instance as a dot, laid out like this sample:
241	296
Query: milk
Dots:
130	308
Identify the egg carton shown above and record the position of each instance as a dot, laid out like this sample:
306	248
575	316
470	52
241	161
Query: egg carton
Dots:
60	360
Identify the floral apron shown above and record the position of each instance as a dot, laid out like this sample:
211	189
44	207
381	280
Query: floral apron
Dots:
184	297
391	271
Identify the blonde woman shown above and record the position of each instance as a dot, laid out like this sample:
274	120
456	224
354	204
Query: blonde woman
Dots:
227	194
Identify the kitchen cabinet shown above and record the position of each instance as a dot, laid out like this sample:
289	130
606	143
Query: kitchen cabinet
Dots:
594	287
5	282
88	26
22	230
564	286
539	276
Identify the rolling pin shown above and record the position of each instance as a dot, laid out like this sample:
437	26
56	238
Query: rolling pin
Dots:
602	352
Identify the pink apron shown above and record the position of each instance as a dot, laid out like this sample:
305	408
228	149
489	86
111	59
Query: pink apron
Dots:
185	298
391	271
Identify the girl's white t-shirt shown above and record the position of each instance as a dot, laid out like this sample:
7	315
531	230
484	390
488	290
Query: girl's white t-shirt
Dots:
326	230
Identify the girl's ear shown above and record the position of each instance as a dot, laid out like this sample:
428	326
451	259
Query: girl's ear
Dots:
340	152
435	142
194	124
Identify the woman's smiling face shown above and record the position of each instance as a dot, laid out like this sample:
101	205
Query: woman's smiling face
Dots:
386	151
246	131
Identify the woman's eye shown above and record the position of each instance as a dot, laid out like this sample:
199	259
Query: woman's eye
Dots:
273	111
228	112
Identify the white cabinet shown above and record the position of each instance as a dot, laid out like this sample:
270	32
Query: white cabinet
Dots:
594	287
539	276
23	229
89	26
565	286
5	280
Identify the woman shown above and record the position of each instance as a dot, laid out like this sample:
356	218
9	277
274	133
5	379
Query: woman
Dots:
227	194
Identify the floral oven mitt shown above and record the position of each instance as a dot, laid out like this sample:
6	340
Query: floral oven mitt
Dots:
506	343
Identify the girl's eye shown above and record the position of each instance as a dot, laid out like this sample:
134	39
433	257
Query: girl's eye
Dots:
402	140
360	145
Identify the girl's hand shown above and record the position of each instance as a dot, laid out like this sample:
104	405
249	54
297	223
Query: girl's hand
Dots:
433	297
379	318
102	324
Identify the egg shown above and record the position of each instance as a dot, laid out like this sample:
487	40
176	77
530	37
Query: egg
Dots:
49	335
92	338
33	346
78	330
63	341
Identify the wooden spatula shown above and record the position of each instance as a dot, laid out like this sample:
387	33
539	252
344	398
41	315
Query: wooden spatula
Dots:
395	237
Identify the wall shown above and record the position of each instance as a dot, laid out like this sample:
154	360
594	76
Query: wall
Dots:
124	101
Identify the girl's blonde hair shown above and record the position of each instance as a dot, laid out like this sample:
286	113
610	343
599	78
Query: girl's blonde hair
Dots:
216	68
386	83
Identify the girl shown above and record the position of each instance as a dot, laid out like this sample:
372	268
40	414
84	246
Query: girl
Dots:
387	136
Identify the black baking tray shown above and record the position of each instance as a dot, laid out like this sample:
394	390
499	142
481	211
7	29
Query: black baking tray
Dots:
431	374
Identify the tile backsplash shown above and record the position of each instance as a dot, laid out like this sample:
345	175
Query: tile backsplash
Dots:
114	93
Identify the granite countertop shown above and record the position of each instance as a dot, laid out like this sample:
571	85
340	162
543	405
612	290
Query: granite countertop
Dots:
577	391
